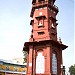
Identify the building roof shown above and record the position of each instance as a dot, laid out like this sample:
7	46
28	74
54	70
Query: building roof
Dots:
2	61
10	67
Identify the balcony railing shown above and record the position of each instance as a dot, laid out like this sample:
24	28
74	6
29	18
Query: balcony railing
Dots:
40	3
55	6
44	3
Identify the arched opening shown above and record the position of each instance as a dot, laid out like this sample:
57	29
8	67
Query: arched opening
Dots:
54	63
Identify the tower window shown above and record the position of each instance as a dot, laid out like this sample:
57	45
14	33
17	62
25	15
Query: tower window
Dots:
40	33
54	64
53	26
40	23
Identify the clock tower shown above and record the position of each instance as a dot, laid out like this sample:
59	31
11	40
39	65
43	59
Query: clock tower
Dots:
44	50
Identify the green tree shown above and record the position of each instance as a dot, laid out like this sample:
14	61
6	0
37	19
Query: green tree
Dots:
72	69
25	56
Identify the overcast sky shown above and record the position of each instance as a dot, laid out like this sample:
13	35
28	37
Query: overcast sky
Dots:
15	28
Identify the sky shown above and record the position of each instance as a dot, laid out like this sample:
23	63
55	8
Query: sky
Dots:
15	28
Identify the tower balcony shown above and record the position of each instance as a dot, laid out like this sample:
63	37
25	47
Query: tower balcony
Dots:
39	4
43	4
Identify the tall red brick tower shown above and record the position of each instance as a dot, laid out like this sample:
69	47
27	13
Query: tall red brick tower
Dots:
44	51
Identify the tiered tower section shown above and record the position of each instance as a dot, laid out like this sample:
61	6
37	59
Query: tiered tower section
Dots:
44	26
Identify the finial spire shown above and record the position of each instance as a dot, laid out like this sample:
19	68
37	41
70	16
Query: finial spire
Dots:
60	40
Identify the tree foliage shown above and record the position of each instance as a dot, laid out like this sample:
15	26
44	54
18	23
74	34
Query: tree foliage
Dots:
25	56
72	69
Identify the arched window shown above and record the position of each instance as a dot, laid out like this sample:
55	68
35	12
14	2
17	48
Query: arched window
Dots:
40	61
54	63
